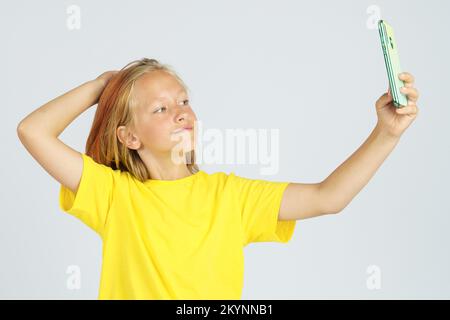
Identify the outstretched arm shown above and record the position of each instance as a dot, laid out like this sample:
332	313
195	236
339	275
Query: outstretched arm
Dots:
301	201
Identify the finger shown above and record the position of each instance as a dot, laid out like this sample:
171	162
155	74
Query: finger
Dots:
411	103
412	93
383	100
410	110
407	78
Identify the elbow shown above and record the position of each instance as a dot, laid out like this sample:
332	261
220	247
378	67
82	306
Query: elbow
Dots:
26	128
331	205
332	210
23	128
20	129
337	208
336	211
22	132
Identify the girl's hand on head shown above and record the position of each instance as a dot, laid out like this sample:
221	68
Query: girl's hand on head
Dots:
394	121
100	83
106	76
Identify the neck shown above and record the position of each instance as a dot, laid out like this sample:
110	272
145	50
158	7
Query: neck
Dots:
164	168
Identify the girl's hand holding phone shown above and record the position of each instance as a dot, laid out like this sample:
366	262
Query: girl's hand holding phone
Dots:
392	120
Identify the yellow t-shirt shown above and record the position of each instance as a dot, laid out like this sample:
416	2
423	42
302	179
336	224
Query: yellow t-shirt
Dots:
175	239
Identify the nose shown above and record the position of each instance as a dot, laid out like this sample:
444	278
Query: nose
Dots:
182	116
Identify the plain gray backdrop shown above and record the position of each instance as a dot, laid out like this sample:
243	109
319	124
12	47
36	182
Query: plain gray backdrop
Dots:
312	69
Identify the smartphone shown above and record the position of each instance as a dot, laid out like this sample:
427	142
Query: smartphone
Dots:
392	62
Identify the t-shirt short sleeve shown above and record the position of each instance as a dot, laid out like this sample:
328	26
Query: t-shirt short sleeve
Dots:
259	202
92	200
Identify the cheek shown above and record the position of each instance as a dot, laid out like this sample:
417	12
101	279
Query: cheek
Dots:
156	134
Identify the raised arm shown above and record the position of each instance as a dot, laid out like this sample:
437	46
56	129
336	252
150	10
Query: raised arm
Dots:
301	201
39	131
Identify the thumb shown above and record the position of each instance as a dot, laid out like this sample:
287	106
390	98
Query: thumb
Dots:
383	100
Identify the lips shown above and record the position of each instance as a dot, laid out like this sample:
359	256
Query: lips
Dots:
182	129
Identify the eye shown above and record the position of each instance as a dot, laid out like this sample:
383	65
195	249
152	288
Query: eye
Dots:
157	111
185	102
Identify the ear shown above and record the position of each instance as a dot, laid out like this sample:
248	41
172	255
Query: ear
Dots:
128	138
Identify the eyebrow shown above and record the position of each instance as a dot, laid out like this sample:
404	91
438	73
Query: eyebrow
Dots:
161	97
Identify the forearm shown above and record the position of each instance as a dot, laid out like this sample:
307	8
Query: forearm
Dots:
54	116
344	183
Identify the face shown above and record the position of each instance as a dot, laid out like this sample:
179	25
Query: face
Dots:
162	106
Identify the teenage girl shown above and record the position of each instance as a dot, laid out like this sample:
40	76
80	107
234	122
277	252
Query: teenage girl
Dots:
169	229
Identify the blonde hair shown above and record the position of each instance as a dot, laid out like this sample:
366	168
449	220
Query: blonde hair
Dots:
114	109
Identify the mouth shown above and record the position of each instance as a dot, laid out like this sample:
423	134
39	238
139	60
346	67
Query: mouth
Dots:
183	130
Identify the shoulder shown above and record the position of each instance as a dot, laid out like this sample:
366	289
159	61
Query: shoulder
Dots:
103	172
